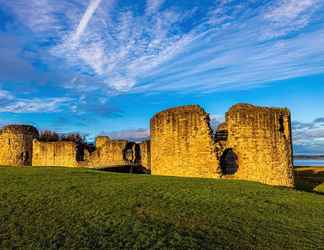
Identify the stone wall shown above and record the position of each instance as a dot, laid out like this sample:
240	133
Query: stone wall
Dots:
145	154
261	139
253	144
182	143
55	154
101	141
110	153
16	145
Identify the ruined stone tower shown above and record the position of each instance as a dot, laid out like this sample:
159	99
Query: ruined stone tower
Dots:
259	145
182	144
253	144
16	143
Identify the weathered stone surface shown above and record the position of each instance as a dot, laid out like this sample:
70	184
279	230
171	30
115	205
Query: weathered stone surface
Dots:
110	153
261	139
182	143
253	144
86	155
145	154
55	154
16	145
101	141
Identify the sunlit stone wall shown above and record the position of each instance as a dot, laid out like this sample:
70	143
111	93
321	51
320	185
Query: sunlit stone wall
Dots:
110	153
182	143
16	145
261	139
145	154
55	154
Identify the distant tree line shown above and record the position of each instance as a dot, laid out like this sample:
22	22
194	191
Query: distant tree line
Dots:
49	136
52	136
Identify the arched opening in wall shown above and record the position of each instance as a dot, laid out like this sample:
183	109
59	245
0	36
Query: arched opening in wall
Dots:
129	153
24	156
229	162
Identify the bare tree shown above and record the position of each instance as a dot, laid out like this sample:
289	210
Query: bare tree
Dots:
49	136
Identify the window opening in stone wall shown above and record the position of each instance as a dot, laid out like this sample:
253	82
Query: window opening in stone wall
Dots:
128	153
228	162
26	157
281	125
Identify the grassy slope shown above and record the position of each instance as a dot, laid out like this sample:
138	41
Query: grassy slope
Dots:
74	208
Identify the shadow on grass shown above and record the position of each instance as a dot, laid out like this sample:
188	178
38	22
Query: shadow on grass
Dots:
133	169
310	180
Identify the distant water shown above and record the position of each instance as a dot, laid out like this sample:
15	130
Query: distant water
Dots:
309	163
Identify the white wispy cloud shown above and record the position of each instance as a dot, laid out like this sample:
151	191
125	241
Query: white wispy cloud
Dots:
289	15
287	10
6	95
42	15
133	47
152	6
236	44
12	104
93	5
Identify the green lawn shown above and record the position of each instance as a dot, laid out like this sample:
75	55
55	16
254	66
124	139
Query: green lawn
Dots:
88	209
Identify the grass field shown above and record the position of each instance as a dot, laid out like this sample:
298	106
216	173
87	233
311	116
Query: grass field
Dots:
88	209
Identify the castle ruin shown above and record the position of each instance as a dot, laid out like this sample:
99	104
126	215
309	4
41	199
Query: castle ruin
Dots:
254	143
112	153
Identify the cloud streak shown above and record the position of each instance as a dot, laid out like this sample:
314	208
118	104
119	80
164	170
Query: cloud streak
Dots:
93	5
9	103
152	6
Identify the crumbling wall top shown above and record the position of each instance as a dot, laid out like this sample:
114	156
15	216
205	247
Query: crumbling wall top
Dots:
20	129
222	127
103	137
250	107
58	143
102	140
182	109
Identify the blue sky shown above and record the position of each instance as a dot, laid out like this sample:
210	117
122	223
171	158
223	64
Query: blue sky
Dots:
106	66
